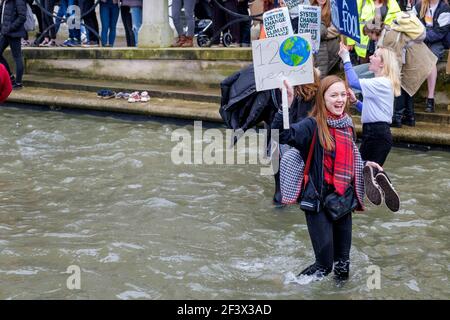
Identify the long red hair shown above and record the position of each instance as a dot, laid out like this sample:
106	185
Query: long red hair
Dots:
308	91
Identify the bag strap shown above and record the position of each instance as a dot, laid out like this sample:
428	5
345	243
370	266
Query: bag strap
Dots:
308	161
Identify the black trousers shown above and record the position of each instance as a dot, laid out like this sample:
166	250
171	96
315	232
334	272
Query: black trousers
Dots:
376	142
245	27
128	25
221	18
90	20
16	49
47	20
38	13
331	240
403	107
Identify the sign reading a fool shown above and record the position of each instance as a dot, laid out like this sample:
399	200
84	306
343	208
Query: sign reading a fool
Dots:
344	15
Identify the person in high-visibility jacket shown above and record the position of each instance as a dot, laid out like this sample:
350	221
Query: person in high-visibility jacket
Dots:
366	11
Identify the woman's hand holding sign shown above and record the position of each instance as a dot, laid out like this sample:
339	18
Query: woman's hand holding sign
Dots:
290	92
287	96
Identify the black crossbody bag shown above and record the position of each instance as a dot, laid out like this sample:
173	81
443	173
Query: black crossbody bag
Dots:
335	206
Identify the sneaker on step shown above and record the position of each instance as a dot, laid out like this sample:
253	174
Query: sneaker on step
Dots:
90	44
44	43
134	97
66	42
145	97
17	86
74	43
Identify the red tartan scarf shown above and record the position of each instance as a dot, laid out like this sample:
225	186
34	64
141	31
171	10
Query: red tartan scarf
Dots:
338	164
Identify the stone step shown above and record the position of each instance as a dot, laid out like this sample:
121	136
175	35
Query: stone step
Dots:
211	95
55	99
94	85
182	67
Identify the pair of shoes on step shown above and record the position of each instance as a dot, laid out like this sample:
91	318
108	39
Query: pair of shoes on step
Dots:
122	95
139	97
378	187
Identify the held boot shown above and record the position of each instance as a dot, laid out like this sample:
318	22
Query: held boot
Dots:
430	105
188	43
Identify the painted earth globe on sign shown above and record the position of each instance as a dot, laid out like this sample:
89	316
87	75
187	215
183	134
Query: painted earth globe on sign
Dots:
295	51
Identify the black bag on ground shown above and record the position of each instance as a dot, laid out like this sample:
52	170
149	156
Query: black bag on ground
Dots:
337	206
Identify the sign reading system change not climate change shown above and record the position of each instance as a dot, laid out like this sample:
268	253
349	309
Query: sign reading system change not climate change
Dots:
279	58
309	21
277	22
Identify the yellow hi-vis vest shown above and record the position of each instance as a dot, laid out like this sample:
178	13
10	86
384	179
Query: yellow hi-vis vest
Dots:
366	12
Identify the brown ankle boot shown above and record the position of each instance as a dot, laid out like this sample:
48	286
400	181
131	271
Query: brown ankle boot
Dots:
189	42
179	42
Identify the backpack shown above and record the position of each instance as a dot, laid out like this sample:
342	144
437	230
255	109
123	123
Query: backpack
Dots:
30	23
409	24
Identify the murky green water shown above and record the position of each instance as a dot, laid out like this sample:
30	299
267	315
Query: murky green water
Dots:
102	194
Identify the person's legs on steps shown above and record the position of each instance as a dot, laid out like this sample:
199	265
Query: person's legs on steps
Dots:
16	50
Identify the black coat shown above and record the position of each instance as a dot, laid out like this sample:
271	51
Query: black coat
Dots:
13	14
242	107
299	136
436	33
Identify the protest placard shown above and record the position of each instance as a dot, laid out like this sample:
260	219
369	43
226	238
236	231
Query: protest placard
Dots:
284	57
344	16
277	22
309	22
293	3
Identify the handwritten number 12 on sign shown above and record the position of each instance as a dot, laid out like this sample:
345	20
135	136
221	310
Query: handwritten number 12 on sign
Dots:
271	49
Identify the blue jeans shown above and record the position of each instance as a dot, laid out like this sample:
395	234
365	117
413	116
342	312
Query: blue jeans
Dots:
73	32
62	12
136	16
109	14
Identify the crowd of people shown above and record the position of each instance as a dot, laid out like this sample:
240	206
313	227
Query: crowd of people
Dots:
86	34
